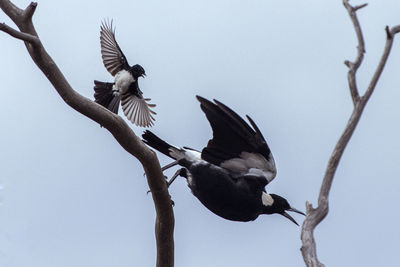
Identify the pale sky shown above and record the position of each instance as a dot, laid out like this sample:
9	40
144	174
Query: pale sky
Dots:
71	196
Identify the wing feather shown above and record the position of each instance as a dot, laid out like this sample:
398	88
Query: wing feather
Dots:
113	58
235	145
137	110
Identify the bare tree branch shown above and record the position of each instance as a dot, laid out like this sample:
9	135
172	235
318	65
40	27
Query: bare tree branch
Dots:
29	11
164	226
316	215
11	10
19	35
388	46
353	66
359	7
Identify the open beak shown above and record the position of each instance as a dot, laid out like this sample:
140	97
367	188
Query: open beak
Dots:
143	75
297	211
290	217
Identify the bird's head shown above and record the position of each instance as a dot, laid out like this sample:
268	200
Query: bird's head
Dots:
137	71
277	204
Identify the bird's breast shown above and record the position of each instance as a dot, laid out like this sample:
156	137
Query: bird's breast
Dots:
222	194
123	80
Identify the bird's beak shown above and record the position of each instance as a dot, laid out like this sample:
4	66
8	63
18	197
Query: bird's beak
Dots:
143	75
297	211
289	217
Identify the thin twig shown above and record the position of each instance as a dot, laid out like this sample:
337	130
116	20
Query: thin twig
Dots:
359	7
353	66
395	30
388	46
19	35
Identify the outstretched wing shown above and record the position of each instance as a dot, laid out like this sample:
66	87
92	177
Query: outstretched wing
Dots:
137	109
113	58
236	146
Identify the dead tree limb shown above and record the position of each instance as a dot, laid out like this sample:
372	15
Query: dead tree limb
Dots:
164	226
316	215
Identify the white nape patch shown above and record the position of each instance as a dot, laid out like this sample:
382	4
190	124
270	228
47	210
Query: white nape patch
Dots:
266	199
123	80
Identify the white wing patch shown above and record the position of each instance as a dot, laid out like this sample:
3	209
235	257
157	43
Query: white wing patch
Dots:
267	200
252	164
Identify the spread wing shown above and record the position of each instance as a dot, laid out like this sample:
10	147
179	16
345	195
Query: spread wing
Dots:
137	110
236	146
113	58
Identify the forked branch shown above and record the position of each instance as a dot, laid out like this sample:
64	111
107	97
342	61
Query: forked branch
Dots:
316	215
113	123
19	35
353	66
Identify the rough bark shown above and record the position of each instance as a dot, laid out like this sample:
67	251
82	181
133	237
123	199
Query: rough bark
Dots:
164	225
316	215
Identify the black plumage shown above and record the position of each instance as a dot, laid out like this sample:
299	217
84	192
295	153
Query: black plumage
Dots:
230	174
228	128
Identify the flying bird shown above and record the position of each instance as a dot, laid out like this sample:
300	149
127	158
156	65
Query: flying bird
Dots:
125	88
230	174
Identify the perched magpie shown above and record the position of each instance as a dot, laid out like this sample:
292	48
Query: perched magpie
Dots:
230	174
125	88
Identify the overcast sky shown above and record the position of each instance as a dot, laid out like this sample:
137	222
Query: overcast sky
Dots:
71	196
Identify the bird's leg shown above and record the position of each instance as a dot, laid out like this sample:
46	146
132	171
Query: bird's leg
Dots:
181	172
172	164
173	177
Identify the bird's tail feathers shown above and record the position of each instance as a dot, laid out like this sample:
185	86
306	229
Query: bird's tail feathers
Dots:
104	95
184	156
155	142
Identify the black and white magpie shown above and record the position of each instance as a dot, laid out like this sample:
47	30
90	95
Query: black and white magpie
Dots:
230	174
125	88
